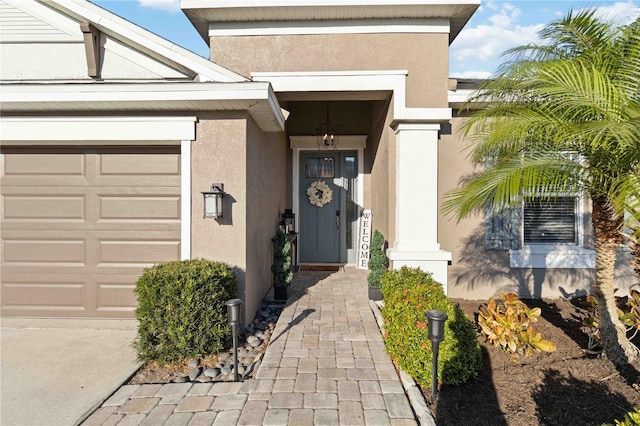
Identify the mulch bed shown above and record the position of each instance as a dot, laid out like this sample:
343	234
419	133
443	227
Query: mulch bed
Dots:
571	386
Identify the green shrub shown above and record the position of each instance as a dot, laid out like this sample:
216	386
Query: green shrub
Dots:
408	294
403	278
506	322
181	309
377	260
281	268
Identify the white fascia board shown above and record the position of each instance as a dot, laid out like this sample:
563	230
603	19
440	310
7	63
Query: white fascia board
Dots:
460	96
123	29
354	81
334	80
422	114
35	129
133	92
274	105
353	26
221	4
253	94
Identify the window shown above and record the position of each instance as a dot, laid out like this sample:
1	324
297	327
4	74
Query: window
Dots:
543	233
550	221
319	168
552	235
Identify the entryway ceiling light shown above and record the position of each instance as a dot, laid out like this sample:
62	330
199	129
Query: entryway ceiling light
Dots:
327	133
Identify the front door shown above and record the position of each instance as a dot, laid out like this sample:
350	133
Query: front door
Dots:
321	197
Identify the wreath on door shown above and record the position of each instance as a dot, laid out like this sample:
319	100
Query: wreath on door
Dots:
319	193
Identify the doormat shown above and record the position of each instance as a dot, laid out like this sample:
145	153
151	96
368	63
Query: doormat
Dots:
320	268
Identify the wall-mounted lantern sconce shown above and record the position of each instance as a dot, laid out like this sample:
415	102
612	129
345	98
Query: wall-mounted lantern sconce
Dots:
233	311
213	201
436	335
289	221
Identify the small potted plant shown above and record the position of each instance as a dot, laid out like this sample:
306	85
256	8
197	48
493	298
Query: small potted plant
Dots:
377	265
281	268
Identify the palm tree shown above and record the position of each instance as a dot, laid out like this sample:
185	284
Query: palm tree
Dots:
563	117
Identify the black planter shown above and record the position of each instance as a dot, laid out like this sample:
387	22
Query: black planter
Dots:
375	293
280	292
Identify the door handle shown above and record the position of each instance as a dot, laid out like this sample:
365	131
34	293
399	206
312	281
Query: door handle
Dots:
337	220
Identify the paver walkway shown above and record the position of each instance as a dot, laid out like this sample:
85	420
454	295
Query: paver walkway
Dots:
325	365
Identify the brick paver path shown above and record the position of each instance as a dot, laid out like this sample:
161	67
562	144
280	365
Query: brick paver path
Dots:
325	365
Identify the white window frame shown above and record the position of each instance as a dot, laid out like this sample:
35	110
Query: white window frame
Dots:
558	255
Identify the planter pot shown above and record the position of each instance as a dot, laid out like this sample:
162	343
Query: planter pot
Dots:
375	293
280	292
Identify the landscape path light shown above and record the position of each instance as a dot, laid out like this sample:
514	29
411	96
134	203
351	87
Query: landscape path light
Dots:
436	335
233	311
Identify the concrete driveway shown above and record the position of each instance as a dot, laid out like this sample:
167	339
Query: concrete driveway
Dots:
53	372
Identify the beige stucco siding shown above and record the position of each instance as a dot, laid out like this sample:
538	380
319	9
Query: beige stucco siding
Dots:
380	171
231	149
425	56
219	155
266	186
476	273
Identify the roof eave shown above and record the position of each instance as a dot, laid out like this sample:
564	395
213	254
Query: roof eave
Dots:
203	12
201	69
257	98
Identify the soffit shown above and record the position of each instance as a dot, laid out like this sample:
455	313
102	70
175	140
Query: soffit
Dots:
202	12
257	98
138	38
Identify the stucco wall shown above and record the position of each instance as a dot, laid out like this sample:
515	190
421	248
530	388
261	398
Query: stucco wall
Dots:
230	148
425	56
379	174
219	155
476	273
266	199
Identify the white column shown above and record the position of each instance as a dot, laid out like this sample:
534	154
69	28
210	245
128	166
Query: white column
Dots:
185	200
416	243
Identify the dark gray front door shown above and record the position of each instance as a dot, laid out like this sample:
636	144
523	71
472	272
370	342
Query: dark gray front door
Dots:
321	227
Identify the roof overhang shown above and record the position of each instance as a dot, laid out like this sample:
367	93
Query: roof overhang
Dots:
257	98
459	98
203	12
199	68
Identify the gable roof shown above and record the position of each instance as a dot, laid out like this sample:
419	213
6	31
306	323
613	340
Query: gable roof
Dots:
174	79
43	18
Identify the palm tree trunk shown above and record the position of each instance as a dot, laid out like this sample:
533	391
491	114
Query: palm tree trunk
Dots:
613	337
634	246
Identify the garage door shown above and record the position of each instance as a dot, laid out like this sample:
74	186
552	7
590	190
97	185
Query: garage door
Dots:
79	226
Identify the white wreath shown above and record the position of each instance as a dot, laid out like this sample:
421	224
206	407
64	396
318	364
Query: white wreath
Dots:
323	188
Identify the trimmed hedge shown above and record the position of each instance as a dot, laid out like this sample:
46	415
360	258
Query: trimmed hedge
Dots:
377	261
408	294
181	309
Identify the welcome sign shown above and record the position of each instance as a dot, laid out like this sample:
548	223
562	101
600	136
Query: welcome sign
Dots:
364	243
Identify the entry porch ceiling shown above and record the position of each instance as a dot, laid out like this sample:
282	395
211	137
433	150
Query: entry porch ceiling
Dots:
203	12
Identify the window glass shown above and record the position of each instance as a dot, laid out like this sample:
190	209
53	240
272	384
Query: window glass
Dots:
352	213
319	168
550	221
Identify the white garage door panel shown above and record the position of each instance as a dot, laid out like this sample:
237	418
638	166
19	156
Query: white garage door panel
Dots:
79	227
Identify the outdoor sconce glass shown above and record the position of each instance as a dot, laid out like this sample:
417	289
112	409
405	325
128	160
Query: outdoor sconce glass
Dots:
233	311
436	335
213	201
289	221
